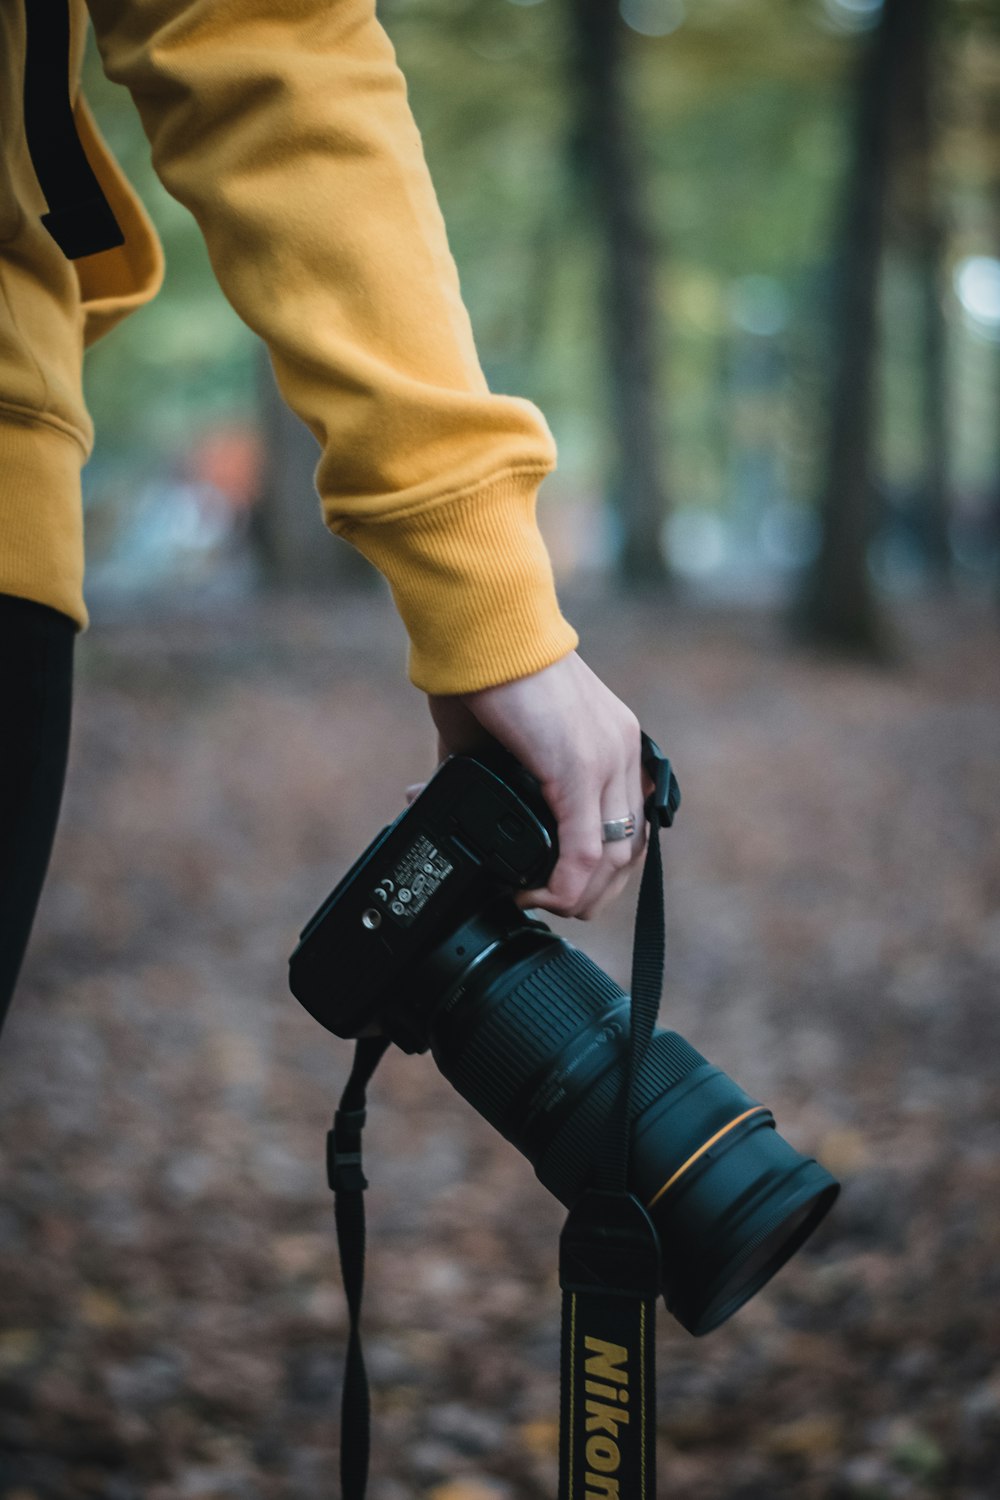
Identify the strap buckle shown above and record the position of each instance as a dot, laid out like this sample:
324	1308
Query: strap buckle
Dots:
609	1247
343	1152
665	798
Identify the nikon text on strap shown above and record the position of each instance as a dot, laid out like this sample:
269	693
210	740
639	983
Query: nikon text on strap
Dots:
80	218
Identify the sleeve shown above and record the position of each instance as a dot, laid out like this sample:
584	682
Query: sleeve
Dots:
284	126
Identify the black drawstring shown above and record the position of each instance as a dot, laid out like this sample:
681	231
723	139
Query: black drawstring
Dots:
80	218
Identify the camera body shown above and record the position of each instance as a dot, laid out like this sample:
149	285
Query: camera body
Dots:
479	828
423	942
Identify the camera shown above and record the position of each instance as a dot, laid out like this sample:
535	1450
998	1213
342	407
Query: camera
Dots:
422	941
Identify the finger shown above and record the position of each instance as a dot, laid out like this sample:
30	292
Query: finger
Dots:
577	809
528	900
610	894
615	853
620	800
622	793
413	792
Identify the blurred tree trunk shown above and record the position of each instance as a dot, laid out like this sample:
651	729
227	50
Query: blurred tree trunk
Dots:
837	606
918	226
293	548
604	158
991	131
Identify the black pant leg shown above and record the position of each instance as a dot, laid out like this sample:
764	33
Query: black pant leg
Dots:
36	679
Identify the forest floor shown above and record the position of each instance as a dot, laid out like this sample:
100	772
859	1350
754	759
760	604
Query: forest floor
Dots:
171	1319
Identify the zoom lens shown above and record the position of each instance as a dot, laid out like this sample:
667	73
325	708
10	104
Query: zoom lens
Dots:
534	1035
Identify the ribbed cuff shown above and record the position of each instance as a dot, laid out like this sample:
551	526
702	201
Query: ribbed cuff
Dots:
472	581
41	517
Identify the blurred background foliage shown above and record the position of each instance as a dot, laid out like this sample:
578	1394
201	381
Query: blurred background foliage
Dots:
744	257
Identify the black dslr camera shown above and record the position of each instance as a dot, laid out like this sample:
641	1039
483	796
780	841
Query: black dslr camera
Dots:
395	924
423	941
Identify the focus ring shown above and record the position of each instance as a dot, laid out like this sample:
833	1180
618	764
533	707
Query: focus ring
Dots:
567	1165
520	1031
511	1040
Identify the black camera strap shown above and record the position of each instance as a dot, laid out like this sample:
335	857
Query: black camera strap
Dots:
348	1183
609	1251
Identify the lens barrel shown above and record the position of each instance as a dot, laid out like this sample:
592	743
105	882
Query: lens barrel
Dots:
534	1035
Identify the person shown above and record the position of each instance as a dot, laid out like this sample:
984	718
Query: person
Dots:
284	126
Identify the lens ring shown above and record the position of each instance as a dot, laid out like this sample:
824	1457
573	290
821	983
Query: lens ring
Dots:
702	1149
778	1241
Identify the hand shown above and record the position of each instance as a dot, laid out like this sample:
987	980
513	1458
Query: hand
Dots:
583	745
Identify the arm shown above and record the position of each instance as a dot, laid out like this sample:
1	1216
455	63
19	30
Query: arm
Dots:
283	125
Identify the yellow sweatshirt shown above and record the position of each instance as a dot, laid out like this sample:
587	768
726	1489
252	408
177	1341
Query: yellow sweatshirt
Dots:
283	125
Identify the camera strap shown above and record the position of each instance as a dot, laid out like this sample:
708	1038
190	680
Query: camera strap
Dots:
609	1251
348	1182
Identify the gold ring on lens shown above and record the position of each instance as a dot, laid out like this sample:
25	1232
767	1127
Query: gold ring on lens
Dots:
702	1149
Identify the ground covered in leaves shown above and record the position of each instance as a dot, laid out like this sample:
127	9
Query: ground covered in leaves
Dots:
171	1322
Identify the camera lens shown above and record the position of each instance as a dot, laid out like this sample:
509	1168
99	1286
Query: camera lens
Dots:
534	1036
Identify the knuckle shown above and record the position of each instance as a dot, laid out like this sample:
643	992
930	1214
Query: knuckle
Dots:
574	891
590	776
587	761
631	732
569	888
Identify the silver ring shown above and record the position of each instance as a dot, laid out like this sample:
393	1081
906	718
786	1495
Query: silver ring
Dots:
618	828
